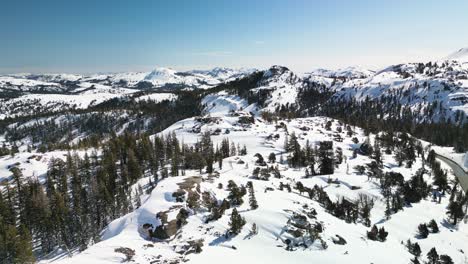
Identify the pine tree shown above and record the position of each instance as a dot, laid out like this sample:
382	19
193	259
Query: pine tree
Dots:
382	234
388	211
235	194
326	158
423	231
253	230
236	222
252	200
373	233
23	249
134	170
455	208
433	226
272	158
432	256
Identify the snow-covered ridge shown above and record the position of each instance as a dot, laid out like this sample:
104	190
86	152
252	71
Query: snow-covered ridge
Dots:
353	72
276	206
157	78
460	55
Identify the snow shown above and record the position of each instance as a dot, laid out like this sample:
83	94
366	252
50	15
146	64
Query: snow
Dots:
222	103
352	72
389	82
157	97
57	102
4	80
460	55
222	112
32	165
276	206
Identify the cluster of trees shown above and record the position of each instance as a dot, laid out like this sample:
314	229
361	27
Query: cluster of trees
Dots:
423	229
456	209
265	173
82	194
432	256
5	150
386	114
349	211
396	191
319	161
413	248
97	123
377	234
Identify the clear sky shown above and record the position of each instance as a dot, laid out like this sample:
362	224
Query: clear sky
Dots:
106	36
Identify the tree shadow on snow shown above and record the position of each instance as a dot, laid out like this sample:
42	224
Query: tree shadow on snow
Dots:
220	240
449	226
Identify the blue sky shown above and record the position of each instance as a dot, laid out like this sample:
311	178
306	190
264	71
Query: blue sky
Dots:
100	35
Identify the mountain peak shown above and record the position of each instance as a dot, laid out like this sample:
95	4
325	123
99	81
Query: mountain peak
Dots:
459	55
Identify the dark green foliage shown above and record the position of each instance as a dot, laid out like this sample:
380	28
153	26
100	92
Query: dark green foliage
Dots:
455	208
423	231
252	200
433	226
414	249
377	234
236	222
235	194
445	259
432	256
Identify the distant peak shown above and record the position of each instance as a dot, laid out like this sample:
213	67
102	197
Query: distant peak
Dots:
276	70
459	55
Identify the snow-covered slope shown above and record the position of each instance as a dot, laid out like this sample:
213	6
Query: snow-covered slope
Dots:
418	86
353	72
25	94
278	212
460	55
158	78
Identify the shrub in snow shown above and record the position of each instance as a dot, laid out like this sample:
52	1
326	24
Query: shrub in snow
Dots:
128	252
423	231
414	249
433	226
377	234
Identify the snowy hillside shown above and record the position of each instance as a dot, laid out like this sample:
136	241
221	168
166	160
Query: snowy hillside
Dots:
281	215
349	73
418	86
272	166
158	78
460	55
27	94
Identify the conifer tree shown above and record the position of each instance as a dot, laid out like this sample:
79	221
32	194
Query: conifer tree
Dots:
432	256
236	222
252	200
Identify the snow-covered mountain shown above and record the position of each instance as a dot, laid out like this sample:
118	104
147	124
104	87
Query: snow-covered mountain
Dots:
460	55
25	94
353	72
285	215
263	146
416	85
158	78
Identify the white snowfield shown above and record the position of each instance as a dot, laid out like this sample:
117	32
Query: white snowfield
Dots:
419	92
460	55
275	207
157	97
228	116
92	94
60	92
